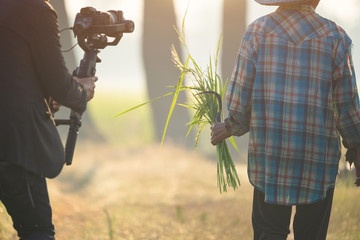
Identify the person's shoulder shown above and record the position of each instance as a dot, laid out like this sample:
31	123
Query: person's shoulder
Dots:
331	28
26	6
34	3
257	27
40	5
341	33
258	24
40	10
27	3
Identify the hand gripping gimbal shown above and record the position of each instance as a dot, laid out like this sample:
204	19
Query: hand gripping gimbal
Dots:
92	29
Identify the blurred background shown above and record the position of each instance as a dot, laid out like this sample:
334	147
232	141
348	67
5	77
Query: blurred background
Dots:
121	184
140	67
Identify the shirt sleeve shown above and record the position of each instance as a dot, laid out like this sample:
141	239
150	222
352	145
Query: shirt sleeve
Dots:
50	65
346	101
239	91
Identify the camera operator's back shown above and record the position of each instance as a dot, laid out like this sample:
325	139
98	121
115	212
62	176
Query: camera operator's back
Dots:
32	69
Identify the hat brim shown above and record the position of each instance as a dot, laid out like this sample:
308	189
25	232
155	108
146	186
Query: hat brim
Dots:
280	2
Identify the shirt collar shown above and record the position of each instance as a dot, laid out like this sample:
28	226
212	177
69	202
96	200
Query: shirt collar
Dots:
302	7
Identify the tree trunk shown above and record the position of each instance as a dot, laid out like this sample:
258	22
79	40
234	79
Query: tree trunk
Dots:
158	35
88	130
234	26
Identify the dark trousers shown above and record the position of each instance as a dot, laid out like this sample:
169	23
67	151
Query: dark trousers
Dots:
271	221
26	199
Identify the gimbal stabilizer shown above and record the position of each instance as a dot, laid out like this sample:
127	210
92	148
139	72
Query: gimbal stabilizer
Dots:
92	27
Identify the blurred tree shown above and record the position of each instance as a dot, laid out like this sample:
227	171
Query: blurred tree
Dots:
234	26
88	130
158	35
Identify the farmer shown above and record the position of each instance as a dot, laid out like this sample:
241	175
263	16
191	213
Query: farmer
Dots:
294	90
32	69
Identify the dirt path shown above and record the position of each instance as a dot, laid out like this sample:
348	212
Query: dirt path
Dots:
171	193
148	194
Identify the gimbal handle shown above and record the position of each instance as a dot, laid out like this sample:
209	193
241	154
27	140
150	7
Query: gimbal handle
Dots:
86	69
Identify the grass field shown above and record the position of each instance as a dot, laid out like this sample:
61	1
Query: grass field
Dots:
133	190
131	129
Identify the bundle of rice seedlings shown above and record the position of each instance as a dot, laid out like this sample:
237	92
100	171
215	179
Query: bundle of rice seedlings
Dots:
207	91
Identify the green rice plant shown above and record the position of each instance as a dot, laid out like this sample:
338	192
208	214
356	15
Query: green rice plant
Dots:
206	92
180	213
110	224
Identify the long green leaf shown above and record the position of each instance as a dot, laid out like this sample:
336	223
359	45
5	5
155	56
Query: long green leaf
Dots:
173	104
232	140
150	101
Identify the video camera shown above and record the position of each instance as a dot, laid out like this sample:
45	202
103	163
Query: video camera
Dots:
92	29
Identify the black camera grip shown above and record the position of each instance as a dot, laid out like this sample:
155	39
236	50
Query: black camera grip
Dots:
86	69
87	66
75	124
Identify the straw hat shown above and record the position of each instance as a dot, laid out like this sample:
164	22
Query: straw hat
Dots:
280	2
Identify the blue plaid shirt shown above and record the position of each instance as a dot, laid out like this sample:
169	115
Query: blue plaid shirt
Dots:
293	89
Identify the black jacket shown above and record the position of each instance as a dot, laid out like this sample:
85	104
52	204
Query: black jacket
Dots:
32	68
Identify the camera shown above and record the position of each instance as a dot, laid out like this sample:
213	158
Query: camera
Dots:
92	27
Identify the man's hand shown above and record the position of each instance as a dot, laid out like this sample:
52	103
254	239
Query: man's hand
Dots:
55	105
219	133
357	166
89	85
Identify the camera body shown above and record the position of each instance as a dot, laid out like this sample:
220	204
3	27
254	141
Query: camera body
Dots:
92	27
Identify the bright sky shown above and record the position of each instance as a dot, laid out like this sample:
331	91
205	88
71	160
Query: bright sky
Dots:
202	30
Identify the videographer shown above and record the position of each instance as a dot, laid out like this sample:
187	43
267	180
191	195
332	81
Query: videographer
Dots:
32	71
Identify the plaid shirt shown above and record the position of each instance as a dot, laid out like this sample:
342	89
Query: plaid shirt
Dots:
293	89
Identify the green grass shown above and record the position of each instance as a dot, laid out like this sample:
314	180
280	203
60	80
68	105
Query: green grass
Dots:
132	129
345	216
